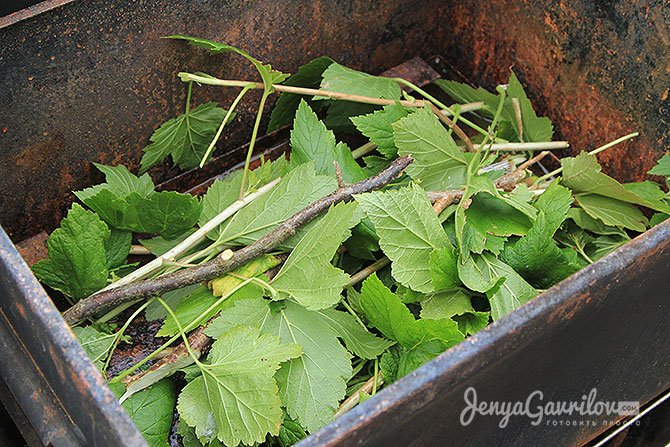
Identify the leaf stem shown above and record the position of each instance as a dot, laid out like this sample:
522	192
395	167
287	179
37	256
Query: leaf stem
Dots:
223	124
119	333
188	98
324	93
593	152
353	400
363	150
254	133
514	147
375	377
369	270
353	313
438	103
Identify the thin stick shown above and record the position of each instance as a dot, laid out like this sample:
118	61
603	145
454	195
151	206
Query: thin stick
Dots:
369	270
509	147
325	93
352	400
139	250
363	150
106	299
462	135
191	241
593	152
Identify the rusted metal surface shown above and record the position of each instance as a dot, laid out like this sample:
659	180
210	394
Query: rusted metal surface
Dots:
604	328
47	371
599	70
90	81
34	248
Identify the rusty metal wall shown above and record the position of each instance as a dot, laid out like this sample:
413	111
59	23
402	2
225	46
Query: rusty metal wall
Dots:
90	80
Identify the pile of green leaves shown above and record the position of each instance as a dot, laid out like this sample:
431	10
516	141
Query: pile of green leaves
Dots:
290	347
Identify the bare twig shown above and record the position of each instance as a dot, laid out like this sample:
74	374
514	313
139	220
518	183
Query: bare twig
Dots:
139	250
106	299
338	174
517	112
509	181
369	270
314	92
509	147
457	130
352	400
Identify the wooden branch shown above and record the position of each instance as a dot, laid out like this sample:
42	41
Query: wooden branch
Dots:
457	130
107	299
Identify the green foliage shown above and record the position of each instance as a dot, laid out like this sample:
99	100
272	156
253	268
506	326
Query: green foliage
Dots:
662	167
184	138
387	313
439	163
308	76
338	78
307	275
96	344
445	304
127	202
377	126
290	433
404	218
311	141
151	410
297	189
237	388
77	264
312	385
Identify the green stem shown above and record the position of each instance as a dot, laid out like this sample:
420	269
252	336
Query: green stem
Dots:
593	152
181	331
257	124
245	89
376	377
439	104
188	97
190	326
119	333
353	313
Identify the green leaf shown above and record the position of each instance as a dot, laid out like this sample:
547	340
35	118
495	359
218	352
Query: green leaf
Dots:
490	215
308	76
463	93
613	212
485	273
537	258
254	268
310	140
312	385
388	365
151	410
338	78
662	166
583	175
297	189
647	190
120	182
658	218
377	127
534	128
340	113
77	264
509	291
555	202
364	241
219	196
356	337
140	209
290	433
307	275
185	138
236	397
96	344
409	231
117	248
443	266
387	313
159	245
194	305
583	220
438	162
445	304
418	355
156	311
472	322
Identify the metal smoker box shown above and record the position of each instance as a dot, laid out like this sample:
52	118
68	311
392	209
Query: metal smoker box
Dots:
90	80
